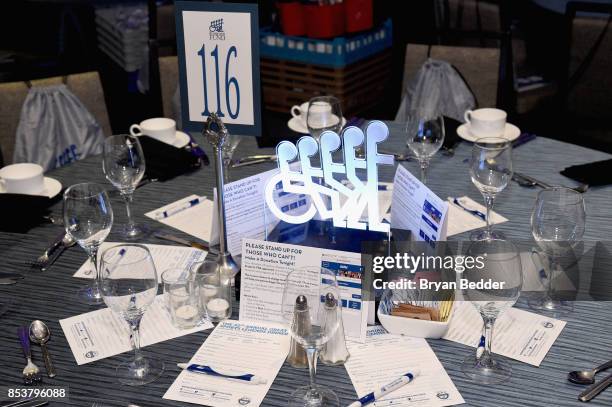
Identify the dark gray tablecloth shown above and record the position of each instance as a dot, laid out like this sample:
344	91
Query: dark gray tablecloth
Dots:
586	340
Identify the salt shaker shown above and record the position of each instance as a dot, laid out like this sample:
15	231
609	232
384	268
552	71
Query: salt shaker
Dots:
334	352
301	324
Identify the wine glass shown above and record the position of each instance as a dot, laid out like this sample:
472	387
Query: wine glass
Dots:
491	171
424	137
311	325
124	166
129	287
324	113
88	218
557	225
229	146
501	262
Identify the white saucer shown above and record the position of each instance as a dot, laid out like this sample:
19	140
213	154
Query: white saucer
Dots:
181	139
52	188
297	125
511	132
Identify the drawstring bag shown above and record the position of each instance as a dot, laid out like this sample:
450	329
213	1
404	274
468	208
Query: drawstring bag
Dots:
437	89
55	129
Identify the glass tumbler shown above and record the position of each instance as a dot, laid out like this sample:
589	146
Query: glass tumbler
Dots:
214	290
181	297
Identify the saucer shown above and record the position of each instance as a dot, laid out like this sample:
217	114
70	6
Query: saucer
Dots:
511	132
181	140
52	188
298	126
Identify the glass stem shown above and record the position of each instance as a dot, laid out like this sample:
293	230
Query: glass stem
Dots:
424	165
226	165
312	354
127	197
93	257
486	358
489	204
135	337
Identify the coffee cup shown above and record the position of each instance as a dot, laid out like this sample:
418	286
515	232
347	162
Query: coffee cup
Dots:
23	178
300	112
487	122
159	128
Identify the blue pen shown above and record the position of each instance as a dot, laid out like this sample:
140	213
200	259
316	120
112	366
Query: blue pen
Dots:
472	211
207	370
481	347
176	209
376	395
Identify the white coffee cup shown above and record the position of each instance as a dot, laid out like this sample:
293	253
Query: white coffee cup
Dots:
23	178
159	128
300	112
487	122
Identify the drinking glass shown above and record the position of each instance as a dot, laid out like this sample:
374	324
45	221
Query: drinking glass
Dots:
214	290
501	264
181	297
88	218
424	137
123	164
129	287
302	304
491	171
324	113
557	225
229	146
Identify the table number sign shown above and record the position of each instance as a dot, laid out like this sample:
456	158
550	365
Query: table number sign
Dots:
218	55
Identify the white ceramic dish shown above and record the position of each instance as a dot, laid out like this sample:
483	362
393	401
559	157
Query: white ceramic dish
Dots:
511	132
52	188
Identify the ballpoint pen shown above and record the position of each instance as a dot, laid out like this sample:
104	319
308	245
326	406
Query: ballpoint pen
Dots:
394	385
207	370
472	211
177	208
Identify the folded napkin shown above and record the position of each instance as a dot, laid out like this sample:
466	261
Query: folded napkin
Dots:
23	212
165	161
592	174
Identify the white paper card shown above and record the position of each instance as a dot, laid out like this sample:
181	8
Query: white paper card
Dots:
460	220
265	266
164	257
102	333
238	347
195	221
385	357
519	335
416	208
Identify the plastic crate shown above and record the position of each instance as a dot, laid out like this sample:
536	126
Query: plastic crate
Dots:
339	52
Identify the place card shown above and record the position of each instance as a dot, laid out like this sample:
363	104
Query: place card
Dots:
103	333
416	208
518	334
235	348
265	266
164	257
193	219
385	357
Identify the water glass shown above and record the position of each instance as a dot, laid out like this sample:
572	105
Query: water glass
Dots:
229	146
181	297
88	218
123	164
491	171
129	287
214	290
424	137
324	113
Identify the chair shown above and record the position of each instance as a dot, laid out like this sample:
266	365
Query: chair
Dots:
168	76
478	16
86	86
480	67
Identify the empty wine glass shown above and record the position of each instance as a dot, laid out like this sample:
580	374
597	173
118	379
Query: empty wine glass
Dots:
424	137
88	218
124	166
491	171
310	326
129	287
229	146
324	113
501	264
557	225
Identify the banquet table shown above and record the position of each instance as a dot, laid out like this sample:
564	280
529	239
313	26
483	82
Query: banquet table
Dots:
585	342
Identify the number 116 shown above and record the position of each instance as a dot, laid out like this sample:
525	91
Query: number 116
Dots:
228	82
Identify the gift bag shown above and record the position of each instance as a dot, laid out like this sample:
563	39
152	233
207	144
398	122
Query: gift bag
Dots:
55	129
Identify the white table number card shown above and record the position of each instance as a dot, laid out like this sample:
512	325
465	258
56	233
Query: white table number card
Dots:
218	54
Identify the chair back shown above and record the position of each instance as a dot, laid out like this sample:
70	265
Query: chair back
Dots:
86	86
478	66
168	75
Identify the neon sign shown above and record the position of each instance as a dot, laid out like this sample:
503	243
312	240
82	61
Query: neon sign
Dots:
320	184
